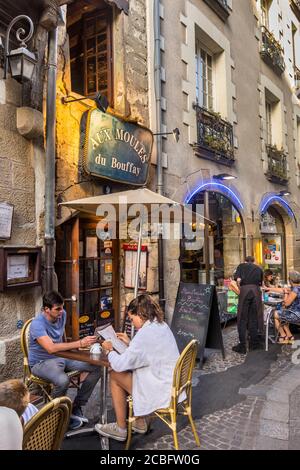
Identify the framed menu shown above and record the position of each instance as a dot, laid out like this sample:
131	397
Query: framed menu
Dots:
6	215
19	267
130	266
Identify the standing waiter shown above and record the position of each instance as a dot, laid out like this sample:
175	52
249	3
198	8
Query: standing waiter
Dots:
249	277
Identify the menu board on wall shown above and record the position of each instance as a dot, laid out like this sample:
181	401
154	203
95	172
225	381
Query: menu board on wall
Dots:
130	265
272	249
6	215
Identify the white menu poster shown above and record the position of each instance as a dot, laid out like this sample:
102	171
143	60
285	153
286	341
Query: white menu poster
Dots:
6	214
17	267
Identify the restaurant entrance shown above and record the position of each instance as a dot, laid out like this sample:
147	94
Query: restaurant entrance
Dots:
87	271
223	245
222	250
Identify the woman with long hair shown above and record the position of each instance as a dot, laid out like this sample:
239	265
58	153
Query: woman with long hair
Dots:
144	370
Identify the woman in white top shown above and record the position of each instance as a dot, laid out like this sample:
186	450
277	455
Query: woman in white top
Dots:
11	436
144	370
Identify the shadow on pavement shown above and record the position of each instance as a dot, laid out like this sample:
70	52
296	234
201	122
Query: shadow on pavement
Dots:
213	392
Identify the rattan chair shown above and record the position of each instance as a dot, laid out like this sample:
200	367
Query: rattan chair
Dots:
182	382
46	429
30	378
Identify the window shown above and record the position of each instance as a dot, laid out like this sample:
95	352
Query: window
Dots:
294	33
298	140
91	53
265	5
269	122
204	78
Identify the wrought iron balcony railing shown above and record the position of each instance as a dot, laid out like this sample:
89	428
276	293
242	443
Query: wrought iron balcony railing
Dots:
214	137
277	165
295	6
220	7
272	52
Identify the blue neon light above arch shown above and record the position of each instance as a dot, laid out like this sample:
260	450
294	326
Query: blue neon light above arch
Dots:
219	187
268	201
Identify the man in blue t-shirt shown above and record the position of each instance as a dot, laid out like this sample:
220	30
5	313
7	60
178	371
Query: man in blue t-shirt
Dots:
45	339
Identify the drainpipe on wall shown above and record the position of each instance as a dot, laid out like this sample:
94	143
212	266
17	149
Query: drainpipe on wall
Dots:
49	239
157	80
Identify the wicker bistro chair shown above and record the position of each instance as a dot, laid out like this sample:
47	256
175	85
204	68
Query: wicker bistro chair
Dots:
30	378
46	429
182	382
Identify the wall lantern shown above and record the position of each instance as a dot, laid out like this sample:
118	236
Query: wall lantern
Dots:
224	177
285	192
20	61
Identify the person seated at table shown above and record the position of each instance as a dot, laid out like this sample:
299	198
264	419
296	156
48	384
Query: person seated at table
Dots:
290	312
46	339
269	278
14	394
144	370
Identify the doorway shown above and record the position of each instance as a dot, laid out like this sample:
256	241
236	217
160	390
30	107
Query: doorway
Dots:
223	242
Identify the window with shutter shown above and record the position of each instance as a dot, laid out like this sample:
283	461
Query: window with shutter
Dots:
90	40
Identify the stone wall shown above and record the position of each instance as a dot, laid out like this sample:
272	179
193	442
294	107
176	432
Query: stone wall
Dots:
18	186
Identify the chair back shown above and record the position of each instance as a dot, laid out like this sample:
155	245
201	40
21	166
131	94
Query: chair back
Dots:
46	429
182	378
25	346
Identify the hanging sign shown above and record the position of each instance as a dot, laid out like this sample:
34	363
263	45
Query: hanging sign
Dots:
117	150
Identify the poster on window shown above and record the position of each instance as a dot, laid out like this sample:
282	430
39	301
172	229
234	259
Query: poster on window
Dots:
130	264
272	250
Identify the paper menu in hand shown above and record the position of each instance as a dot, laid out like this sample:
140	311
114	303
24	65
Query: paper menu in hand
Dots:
108	333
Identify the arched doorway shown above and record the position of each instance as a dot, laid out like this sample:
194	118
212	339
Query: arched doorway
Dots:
223	245
275	249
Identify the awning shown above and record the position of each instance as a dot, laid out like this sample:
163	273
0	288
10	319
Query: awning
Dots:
153	203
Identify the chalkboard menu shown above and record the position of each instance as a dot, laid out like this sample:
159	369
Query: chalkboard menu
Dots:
196	316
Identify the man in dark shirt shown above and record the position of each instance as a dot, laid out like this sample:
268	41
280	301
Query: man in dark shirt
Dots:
249	277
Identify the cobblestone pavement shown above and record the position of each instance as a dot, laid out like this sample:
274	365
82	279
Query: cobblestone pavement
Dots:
265	415
268	417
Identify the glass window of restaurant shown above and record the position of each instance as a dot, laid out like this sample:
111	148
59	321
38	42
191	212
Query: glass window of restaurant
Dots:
273	243
86	267
224	240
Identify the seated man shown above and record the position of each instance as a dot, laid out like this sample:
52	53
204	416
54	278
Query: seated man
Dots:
45	339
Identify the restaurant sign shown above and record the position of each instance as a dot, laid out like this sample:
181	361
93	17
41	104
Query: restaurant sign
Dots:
117	150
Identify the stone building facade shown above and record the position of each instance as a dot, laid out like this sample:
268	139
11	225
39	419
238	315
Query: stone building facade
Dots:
230	81
128	99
